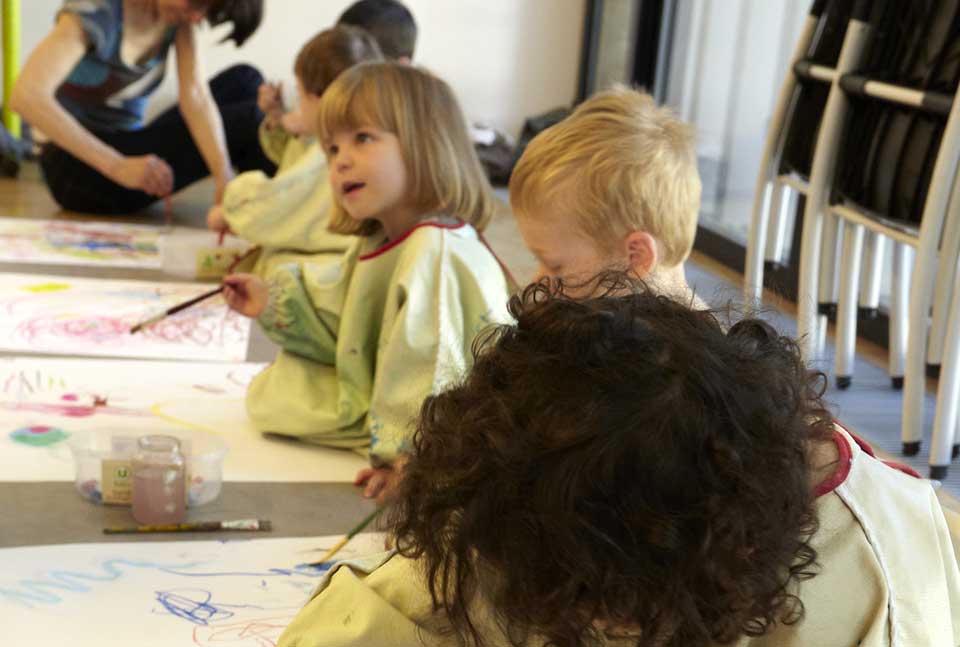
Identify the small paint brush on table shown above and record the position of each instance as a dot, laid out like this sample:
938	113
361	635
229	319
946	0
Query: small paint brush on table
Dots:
195	526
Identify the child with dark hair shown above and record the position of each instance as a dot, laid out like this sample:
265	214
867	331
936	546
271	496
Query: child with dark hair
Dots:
390	22
287	213
622	470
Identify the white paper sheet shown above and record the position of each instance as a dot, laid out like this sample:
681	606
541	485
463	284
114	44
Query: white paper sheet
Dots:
74	316
161	594
70	242
43	401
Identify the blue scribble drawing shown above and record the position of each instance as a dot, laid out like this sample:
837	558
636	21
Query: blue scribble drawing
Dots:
46	589
198	611
304	570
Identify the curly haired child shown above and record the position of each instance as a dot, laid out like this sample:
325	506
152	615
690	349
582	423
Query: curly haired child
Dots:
622	470
366	336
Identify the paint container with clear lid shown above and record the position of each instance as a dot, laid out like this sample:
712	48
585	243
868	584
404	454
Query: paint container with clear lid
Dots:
159	490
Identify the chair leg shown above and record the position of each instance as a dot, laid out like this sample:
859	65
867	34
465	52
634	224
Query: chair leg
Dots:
875	253
847	302
949	254
829	260
807	317
899	298
823	323
948	391
756	245
781	216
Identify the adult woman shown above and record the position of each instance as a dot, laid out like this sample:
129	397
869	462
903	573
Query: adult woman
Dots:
86	84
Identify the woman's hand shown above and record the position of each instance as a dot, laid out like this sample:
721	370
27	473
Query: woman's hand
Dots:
246	294
270	102
147	173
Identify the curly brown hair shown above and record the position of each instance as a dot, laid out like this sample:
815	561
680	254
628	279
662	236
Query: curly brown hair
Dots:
620	466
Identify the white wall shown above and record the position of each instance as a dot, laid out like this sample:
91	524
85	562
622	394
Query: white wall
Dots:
506	59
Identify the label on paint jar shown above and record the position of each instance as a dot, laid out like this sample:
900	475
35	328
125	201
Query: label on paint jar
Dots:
116	478
215	262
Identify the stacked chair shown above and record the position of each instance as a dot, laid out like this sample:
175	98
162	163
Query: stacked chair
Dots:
788	154
884	164
896	177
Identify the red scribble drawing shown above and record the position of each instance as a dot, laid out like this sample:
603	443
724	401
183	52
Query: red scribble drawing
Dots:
261	632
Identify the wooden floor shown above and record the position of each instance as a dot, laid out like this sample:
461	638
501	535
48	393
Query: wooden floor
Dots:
27	197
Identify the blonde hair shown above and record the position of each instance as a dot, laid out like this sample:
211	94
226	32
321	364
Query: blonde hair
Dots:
618	164
443	172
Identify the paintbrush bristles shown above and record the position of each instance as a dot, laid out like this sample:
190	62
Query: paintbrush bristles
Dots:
330	553
175	309
149	322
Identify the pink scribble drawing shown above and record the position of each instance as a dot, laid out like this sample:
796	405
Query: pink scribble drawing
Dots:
261	632
200	328
72	410
85	318
94	329
45	394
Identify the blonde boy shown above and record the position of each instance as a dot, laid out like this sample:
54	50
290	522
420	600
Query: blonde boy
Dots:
612	186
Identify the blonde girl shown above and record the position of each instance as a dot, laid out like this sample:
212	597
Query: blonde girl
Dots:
367	336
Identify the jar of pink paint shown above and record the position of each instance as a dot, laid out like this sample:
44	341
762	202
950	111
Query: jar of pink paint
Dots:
159	490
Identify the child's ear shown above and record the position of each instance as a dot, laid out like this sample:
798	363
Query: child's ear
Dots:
641	252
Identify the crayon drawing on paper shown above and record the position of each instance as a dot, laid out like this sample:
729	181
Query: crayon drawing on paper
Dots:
45	402
66	242
73	316
162	594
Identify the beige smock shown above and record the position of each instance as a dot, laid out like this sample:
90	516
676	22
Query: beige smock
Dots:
287	214
888	578
367	336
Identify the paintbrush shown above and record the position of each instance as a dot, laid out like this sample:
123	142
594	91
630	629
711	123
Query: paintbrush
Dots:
175	309
195	526
350	535
186	304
